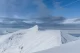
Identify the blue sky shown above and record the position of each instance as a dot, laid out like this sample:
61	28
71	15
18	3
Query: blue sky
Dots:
32	8
70	9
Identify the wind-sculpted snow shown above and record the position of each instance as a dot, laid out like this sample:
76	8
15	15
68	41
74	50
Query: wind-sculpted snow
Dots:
29	40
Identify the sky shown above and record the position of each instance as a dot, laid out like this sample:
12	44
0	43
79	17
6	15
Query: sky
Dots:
40	8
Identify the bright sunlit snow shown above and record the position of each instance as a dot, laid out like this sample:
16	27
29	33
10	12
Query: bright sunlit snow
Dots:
72	47
29	40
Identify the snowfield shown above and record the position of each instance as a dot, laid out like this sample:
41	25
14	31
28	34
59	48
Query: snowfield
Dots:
71	47
29	40
33	40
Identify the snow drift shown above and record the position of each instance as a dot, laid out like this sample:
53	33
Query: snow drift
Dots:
29	40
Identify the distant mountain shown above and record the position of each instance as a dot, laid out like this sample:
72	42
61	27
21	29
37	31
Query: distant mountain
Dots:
72	21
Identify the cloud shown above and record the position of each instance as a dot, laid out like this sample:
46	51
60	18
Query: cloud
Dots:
42	9
51	20
71	3
57	5
2	7
23	7
17	8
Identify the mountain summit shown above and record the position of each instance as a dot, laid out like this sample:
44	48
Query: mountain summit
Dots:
29	41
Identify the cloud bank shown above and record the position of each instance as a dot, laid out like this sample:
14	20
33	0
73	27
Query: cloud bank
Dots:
36	9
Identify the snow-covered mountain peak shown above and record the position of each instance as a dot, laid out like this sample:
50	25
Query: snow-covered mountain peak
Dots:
29	41
17	33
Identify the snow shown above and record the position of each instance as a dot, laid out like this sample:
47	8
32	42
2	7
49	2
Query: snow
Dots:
67	37
71	21
72	47
4	31
29	40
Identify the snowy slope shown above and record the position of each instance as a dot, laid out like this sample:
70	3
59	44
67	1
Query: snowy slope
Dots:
72	47
29	41
4	31
67	37
72	21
